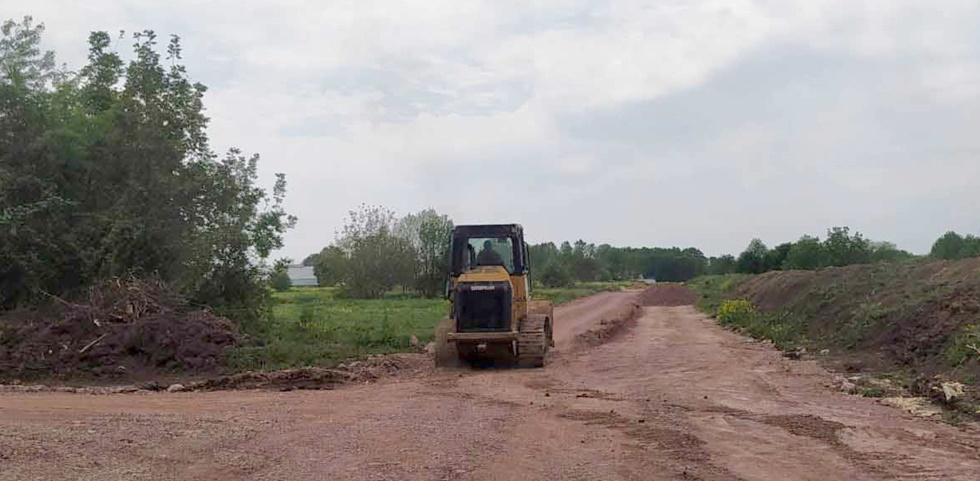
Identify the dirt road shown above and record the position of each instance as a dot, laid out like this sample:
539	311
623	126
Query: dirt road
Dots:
672	397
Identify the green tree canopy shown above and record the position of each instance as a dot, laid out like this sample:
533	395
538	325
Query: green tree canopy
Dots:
844	249
108	172
753	259
806	253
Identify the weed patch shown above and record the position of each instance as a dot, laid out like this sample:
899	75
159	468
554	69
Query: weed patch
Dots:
714	290
872	391
965	346
784	329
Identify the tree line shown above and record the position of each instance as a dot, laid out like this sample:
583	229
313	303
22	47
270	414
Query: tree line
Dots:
377	252
838	248
955	246
568	263
107	172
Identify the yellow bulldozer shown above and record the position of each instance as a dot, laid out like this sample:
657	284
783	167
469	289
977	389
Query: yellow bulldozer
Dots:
492	315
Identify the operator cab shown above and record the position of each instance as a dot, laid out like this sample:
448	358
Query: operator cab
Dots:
482	293
476	246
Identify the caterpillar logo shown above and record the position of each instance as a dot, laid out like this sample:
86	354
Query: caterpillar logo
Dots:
479	287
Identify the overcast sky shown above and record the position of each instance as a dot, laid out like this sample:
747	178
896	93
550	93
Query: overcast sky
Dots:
643	123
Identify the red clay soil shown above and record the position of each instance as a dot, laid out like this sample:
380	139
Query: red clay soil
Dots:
668	295
673	397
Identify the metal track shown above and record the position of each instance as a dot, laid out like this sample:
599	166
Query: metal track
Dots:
532	343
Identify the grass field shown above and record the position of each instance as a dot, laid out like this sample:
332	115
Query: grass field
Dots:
310	326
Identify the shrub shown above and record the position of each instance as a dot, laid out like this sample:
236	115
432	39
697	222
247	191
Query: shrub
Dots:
280	281
736	313
872	391
556	275
784	329
77	209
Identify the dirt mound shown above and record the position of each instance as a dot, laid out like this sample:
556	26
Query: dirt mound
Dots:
373	368
668	295
123	329
610	326
775	289
913	314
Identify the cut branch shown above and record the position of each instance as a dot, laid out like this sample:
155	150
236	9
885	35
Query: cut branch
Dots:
89	345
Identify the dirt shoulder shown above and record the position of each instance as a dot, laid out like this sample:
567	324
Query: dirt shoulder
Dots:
672	396
893	329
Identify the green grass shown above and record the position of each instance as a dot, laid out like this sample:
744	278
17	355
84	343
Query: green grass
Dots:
964	346
783	328
872	391
713	290
311	326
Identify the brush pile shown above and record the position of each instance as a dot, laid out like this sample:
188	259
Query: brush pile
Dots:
121	328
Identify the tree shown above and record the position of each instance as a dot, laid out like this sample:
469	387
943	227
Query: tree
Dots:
971	246
586	262
954	246
753	259
566	251
331	266
721	265
376	264
365	221
542	255
807	253
613	262
279	279
22	63
582	263
674	264
844	249
310	260
775	258
377	251
108	172
376	260
433	253
698	259
888	252
556	275
949	246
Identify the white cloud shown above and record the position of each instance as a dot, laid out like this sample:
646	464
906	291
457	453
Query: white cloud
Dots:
443	102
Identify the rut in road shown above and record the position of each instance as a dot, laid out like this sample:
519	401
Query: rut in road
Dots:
672	396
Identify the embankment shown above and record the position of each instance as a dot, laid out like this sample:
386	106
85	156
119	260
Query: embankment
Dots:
917	321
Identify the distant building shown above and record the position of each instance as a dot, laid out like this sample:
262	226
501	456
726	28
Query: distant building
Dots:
302	276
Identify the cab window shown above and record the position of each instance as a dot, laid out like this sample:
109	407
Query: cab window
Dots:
490	251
